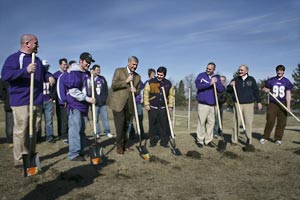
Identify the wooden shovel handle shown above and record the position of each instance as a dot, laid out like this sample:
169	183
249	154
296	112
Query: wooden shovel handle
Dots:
284	107
31	98
168	113
239	107
135	111
218	108
93	105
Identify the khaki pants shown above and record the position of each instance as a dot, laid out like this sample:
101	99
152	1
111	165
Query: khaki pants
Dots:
248	113
206	122
21	131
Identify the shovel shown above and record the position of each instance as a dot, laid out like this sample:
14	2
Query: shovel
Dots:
96	151
222	143
144	153
284	107
31	161
174	149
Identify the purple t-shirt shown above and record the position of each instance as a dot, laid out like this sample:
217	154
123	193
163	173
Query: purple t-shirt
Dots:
14	71
278	88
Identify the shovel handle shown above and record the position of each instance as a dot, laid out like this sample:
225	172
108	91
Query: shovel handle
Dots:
168	113
93	105
239	107
31	98
218	108
284	107
135	111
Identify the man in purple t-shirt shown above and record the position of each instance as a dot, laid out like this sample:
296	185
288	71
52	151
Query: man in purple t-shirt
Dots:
281	88
17	71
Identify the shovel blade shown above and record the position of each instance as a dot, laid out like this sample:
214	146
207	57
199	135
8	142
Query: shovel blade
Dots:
174	149
31	164
222	146
96	153
144	153
176	152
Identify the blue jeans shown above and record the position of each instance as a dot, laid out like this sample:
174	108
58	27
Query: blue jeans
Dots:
76	133
102	112
48	113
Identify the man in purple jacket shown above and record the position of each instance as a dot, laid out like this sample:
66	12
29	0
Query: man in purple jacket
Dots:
16	71
206	104
78	83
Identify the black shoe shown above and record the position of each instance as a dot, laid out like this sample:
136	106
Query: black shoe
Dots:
152	145
210	144
199	145
51	140
164	145
78	158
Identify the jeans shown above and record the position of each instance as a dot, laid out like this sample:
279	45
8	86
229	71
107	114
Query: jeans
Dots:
102	112
48	113
76	133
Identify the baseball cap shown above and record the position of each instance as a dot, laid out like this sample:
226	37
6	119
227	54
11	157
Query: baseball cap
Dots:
45	63
87	57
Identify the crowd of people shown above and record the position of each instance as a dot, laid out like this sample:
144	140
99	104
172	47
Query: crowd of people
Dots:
69	91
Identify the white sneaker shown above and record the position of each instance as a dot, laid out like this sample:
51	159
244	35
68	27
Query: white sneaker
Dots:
278	142
109	135
262	141
97	136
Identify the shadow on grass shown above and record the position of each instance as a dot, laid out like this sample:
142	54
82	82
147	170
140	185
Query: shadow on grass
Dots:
65	182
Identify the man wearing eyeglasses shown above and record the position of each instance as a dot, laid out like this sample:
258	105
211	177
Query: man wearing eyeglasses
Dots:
78	82
247	93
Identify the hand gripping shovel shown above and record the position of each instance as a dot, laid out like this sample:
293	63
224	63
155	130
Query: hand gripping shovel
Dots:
222	143
284	107
175	150
31	161
144	153
96	151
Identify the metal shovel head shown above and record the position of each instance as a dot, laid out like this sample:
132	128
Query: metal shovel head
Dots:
174	150
144	153
96	152
222	145
31	164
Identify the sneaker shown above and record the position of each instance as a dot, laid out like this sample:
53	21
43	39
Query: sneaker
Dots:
216	136
97	136
262	141
278	142
65	141
109	135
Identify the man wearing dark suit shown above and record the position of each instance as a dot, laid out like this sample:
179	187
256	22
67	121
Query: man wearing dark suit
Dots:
121	101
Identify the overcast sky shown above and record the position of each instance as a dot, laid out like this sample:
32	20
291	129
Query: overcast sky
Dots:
182	35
